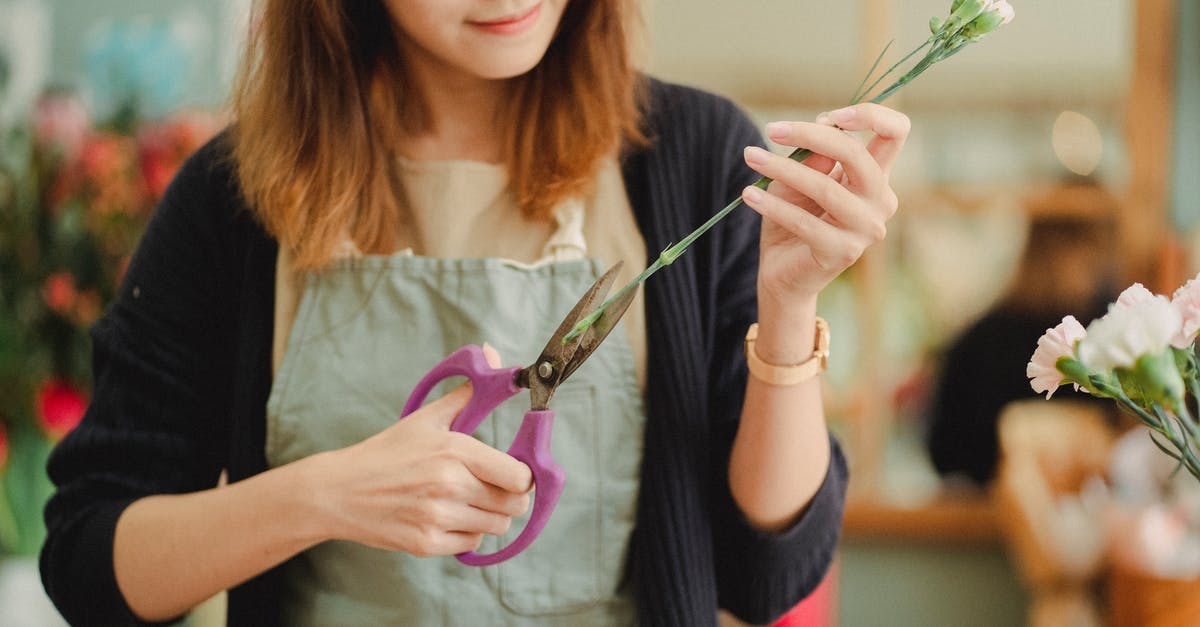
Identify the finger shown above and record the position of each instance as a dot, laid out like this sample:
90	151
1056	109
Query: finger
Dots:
495	467
863	173
442	411
492	355
838	201
490	498
472	520
455	542
890	127
831	246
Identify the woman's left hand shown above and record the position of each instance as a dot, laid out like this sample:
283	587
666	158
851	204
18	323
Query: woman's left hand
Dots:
822	215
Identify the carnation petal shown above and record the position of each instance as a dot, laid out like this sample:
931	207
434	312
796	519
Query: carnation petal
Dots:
1055	344
1126	333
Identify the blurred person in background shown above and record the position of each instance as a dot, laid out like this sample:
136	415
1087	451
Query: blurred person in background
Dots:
1068	266
270	327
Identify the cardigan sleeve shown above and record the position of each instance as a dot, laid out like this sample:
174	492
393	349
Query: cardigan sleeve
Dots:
760	575
157	421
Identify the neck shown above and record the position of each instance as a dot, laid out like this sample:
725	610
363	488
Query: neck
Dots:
458	116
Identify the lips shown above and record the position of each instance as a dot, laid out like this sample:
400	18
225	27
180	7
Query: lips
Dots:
510	25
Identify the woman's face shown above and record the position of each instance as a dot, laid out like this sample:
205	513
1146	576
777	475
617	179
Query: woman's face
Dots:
489	39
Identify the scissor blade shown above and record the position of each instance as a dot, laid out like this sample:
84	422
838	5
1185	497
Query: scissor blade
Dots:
591	339
555	349
548	371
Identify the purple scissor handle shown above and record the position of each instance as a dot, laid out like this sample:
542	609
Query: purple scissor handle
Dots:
492	386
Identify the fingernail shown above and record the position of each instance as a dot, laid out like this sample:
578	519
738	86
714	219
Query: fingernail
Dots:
752	194
778	130
755	155
825	119
843	115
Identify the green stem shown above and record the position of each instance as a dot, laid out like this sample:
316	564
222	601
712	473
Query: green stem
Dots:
858	96
1182	443
9	532
858	91
936	53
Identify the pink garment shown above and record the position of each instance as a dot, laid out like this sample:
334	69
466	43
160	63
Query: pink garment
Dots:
819	609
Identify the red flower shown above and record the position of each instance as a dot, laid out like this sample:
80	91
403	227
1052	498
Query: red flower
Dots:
59	293
163	147
60	407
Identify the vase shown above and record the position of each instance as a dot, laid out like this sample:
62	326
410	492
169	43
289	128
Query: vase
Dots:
23	601
1140	600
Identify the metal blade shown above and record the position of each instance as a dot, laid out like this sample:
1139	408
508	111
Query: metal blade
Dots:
591	339
551	367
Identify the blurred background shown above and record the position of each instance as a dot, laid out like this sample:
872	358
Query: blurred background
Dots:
1077	122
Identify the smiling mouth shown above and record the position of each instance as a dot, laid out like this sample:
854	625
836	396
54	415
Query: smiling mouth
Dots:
511	24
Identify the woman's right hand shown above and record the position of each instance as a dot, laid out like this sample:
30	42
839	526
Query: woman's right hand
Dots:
421	488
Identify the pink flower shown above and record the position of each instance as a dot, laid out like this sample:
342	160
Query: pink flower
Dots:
1054	344
60	123
60	407
3	446
1187	300
1135	293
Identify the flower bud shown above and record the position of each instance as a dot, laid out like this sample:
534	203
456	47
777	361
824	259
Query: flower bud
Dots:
935	24
1158	377
1074	371
963	11
982	25
966	10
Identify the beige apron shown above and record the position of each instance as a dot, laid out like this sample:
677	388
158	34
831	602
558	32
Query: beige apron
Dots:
366	331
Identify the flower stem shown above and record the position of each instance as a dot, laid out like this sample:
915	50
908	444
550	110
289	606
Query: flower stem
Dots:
938	51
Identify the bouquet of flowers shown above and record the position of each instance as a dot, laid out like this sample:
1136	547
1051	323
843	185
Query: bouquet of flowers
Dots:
74	199
1142	355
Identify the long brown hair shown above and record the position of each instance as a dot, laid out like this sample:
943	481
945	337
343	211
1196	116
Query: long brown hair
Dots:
321	93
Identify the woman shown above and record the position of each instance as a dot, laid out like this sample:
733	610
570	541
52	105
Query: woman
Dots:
272	324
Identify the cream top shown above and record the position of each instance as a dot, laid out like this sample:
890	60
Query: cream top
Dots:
463	209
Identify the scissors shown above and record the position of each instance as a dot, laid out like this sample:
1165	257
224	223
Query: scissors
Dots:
492	386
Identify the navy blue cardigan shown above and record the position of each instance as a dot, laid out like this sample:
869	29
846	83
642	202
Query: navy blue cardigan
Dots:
182	373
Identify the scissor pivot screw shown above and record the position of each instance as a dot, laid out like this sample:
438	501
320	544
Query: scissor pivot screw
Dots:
545	370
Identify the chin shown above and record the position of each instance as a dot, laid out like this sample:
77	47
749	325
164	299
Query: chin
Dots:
501	67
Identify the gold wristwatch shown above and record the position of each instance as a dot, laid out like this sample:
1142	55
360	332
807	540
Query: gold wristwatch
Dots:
791	374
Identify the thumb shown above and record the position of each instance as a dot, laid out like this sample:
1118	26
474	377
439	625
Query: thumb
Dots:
492	355
441	413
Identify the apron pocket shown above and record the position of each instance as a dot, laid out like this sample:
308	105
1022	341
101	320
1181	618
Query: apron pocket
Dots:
564	569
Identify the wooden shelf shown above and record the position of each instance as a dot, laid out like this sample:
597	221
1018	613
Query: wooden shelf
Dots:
956	518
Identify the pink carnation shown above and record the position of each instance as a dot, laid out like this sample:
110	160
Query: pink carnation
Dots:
1135	293
1055	343
1187	300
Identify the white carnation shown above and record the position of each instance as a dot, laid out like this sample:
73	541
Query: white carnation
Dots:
1126	333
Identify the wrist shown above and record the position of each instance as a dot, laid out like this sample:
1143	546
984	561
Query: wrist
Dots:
786	329
308	486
